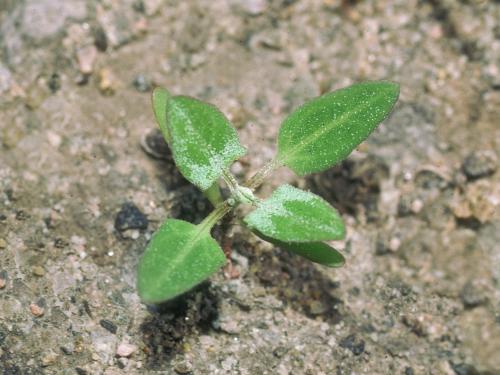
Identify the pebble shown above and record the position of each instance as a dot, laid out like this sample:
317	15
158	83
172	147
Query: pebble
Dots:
228	325
473	294
424	325
44	18
477	202
384	245
119	23
54	139
108	325
100	39
183	367
464	369
5	79
237	169
38	271
394	244
251	7
133	234
155	146
125	349
317	308
3	279
86	57
3	243
130	217
113	371
142	83
431	178
479	164
152	6
36	310
49	359
107	82
122	362
416	206
354	344
54	83
11	136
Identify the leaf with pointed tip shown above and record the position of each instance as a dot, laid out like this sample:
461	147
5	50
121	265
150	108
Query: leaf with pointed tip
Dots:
179	256
294	215
327	129
204	143
317	252
160	98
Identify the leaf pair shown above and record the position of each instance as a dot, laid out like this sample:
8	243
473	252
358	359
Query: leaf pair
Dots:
314	137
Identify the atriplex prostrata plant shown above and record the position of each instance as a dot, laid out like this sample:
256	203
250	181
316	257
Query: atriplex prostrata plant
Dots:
313	138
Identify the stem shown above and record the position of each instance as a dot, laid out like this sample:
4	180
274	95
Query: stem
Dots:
217	214
229	180
213	194
256	180
222	209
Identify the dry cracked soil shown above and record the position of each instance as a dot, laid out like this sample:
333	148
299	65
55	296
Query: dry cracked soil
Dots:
85	180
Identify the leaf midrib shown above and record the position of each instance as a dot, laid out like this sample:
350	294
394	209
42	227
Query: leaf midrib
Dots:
177	260
178	108
311	221
314	136
307	220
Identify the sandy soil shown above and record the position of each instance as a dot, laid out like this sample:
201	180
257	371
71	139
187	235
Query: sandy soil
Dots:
420	293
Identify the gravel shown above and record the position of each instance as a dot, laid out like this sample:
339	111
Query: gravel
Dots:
130	217
419	290
480	164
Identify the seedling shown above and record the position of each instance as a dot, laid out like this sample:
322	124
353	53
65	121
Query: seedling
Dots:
313	138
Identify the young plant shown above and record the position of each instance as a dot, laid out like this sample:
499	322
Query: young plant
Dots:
313	138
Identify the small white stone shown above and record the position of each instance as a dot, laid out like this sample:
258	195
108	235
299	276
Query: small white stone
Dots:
125	349
54	139
86	57
252	7
416	206
394	244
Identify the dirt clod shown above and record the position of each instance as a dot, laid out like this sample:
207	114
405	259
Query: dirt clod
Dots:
130	217
480	164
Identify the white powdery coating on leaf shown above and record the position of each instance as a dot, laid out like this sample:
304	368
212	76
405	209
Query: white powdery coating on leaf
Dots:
262	218
203	174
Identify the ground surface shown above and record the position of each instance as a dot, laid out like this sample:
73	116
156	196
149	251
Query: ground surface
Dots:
420	293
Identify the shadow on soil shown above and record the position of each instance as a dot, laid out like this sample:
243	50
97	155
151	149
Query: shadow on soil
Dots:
353	187
164	330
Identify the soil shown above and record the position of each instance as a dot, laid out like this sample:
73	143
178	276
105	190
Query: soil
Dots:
85	181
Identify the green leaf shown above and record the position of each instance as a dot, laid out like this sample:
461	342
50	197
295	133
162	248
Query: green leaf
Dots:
294	215
179	256
317	252
204	143
160	98
327	129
